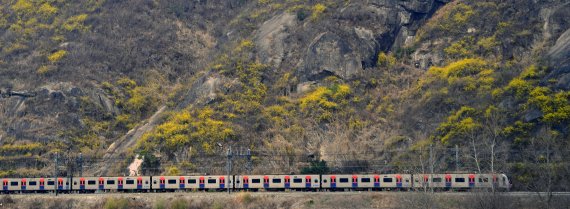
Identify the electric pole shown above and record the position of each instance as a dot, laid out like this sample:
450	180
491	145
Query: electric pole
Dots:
229	166
456	158
56	183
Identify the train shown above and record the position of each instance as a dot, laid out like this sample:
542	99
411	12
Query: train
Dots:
279	182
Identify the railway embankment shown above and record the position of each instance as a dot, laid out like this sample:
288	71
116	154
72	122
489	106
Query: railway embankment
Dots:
268	200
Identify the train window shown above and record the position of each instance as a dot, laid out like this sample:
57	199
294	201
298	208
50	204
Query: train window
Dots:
145	182
387	180
255	181
296	180
14	183
66	183
130	182
407	180
343	180
91	182
324	181
276	181
483	179
237	181
75	183
211	181
110	182
316	181
191	181
365	180
173	181
435	180
33	183
51	183
459	179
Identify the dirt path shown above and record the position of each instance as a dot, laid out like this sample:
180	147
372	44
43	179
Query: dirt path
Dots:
122	145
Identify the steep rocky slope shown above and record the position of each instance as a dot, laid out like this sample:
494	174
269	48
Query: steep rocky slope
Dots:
364	85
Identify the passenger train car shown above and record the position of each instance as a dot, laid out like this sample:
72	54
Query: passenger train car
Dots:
328	182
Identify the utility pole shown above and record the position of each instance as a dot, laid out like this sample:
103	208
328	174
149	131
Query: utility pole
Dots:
456	158
229	166
249	164
431	163
55	174
80	162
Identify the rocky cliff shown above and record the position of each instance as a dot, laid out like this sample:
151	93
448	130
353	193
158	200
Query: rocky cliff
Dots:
354	83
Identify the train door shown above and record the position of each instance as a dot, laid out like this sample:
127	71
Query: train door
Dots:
120	183
59	184
182	183
162	182
377	181
287	182
265	182
5	184
42	184
308	181
139	183
471	180
333	182
245	182
101	183
23	185
354	181
81	184
201	182
222	182
398	181
447	181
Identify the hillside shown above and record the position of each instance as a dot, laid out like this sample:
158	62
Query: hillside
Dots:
367	86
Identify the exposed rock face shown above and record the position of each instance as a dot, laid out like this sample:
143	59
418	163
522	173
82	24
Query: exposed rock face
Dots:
559	54
271	36
40	117
342	45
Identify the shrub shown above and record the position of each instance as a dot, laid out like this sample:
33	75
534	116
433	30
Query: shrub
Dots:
42	70
46	10
244	198
57	56
179	204
317	10
116	203
75	23
386	60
